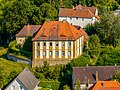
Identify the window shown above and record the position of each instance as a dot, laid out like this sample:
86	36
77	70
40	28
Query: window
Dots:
63	53
63	43
56	53
21	87
44	44
38	53
56	43
50	43
50	53
69	43
44	53
69	53
20	40
77	18
70	18
12	87
38	44
82	19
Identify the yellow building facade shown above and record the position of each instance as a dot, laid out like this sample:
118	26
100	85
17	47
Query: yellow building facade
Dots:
57	41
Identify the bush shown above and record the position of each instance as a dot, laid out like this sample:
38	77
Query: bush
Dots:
50	84
28	44
23	53
109	56
12	44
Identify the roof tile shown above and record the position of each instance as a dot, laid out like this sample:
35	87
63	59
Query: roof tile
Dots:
58	30
28	30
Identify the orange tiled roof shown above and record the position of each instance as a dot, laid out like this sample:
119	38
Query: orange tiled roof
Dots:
78	11
28	30
83	13
107	85
57	30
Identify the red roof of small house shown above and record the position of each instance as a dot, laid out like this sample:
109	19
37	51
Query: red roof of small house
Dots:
82	13
78	11
106	85
58	30
92	9
28	30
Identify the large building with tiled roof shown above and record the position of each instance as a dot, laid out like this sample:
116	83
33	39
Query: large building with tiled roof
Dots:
80	15
58	41
27	30
89	75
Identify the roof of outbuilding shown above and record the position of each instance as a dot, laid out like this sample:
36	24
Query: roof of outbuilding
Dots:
58	30
92	9
78	11
89	72
83	13
28	30
106	85
27	79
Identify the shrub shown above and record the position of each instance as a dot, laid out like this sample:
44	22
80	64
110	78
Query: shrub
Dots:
28	44
50	84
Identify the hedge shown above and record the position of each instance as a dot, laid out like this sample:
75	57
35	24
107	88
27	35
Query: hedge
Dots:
54	85
23	53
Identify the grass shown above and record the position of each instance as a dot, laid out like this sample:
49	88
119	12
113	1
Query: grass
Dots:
7	66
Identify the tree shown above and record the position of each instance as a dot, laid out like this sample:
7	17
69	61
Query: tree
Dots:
109	56
66	87
28	44
108	29
116	77
83	60
94	46
47	12
15	16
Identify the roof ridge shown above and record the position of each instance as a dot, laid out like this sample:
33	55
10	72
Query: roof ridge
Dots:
70	29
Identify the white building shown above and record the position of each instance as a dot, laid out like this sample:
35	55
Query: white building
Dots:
24	81
79	16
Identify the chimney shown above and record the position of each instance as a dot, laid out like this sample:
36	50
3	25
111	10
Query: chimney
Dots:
28	25
96	75
88	82
48	20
